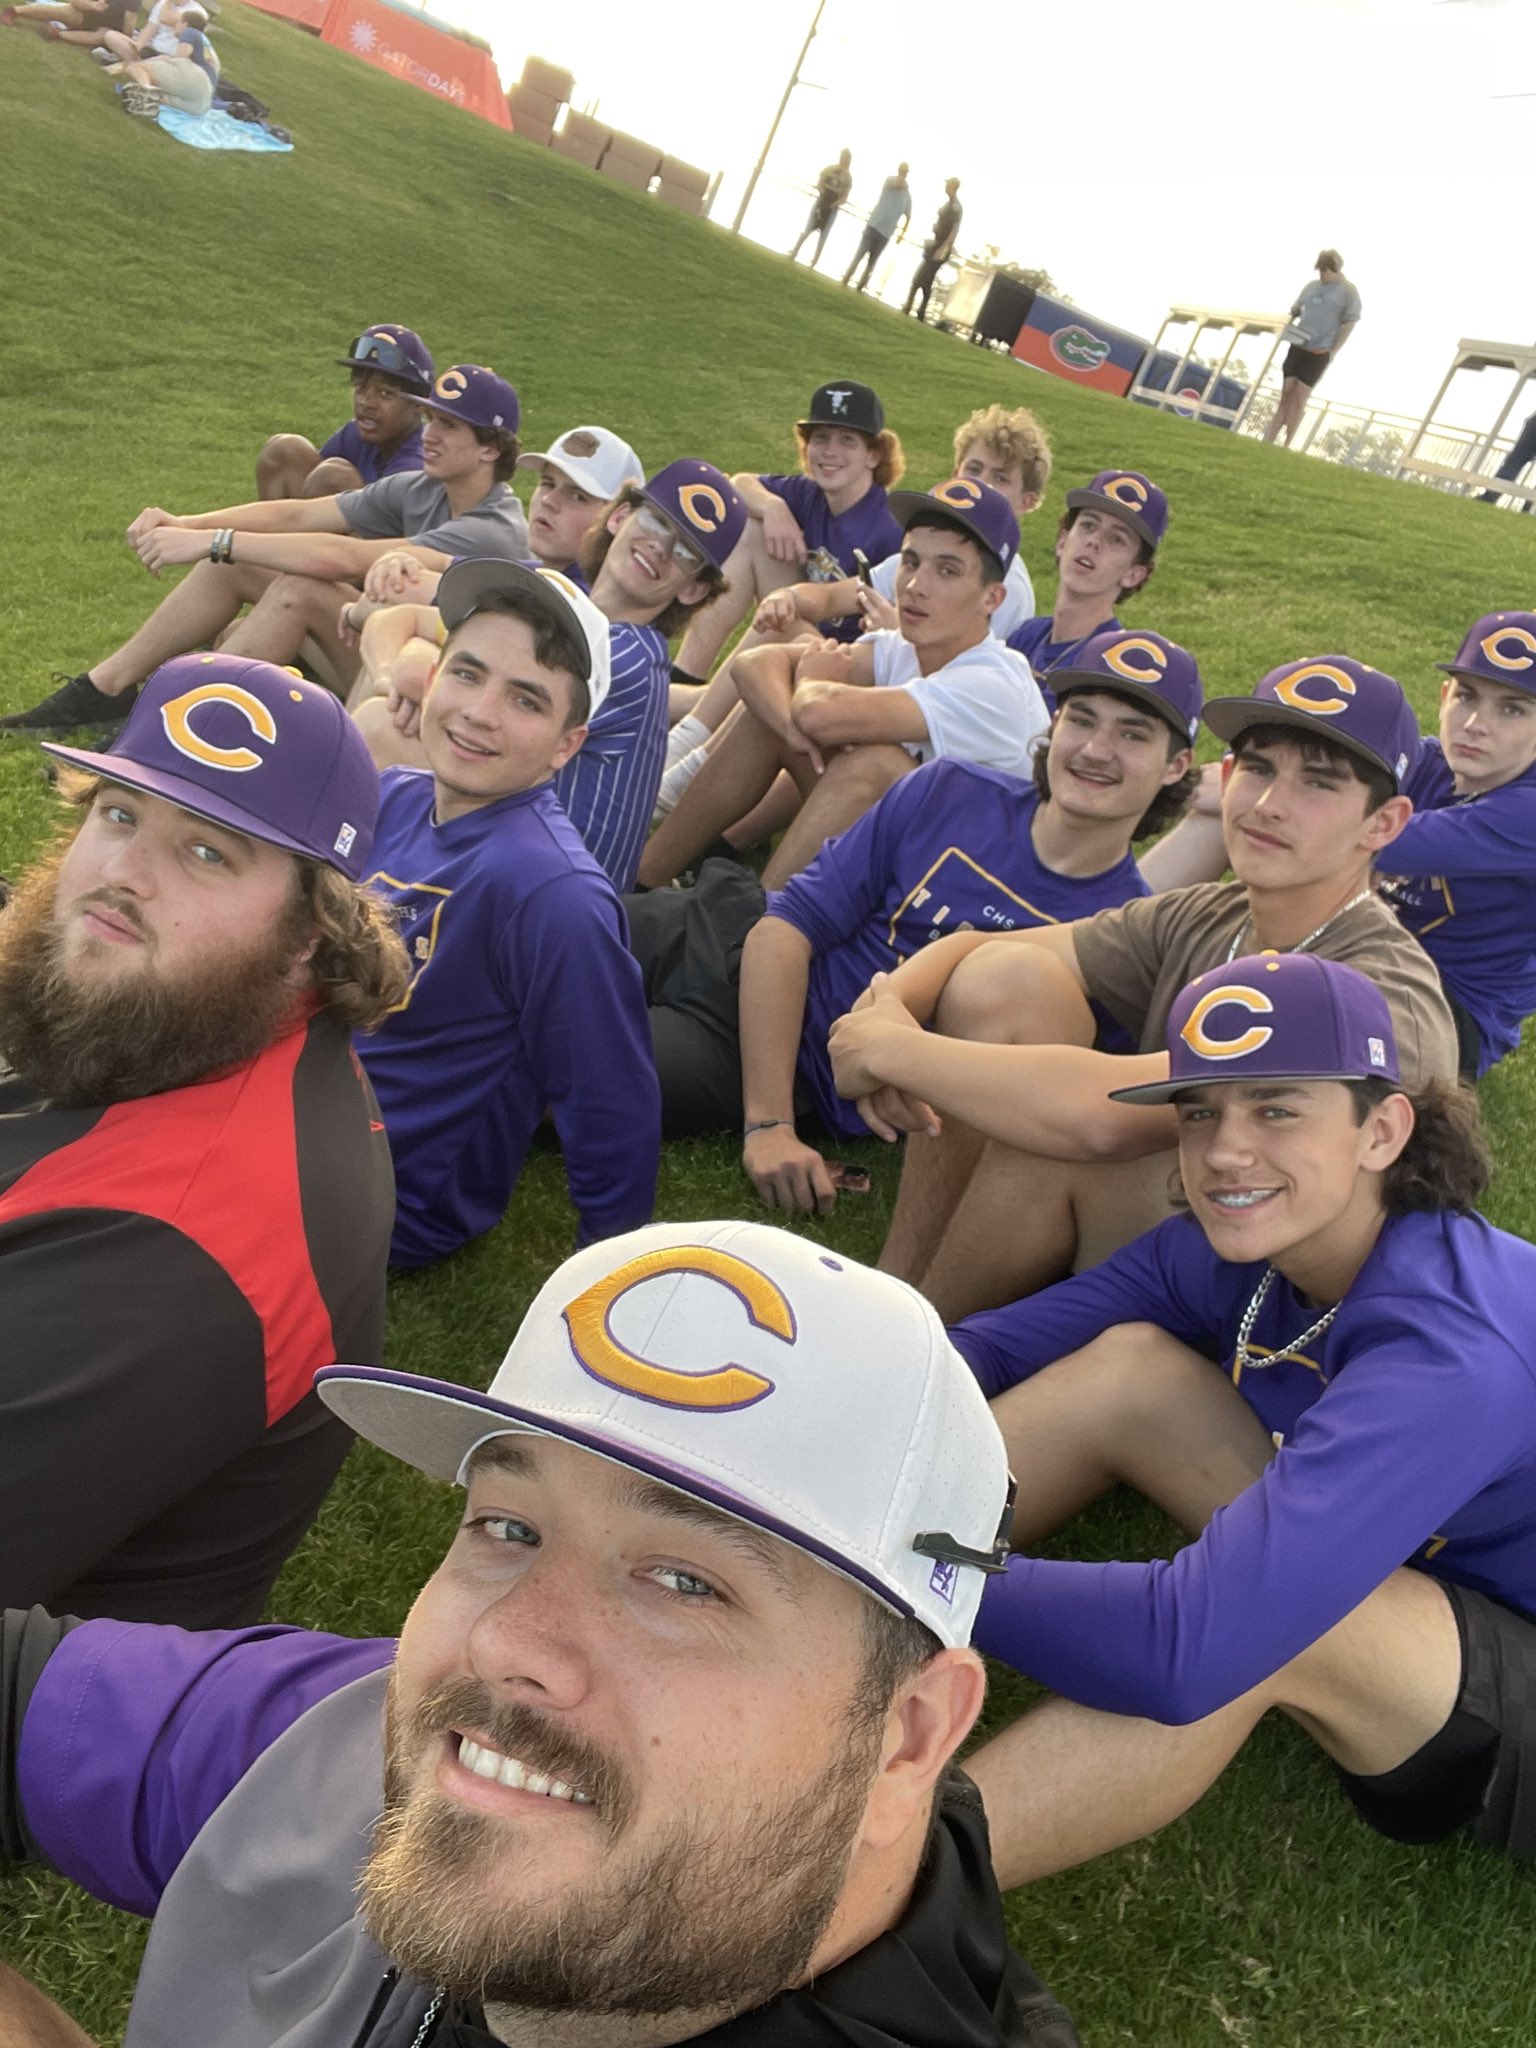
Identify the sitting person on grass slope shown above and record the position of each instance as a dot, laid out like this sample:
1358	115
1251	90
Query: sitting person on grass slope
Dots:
950	848
848	722
809	524
399	634
665	1752
657	555
1009	451
1019	1169
1459	874
195	1191
523	996
1324	1373
392	371
296	561
1106	550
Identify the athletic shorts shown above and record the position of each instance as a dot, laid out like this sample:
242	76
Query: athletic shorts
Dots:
1490	1794
1306	365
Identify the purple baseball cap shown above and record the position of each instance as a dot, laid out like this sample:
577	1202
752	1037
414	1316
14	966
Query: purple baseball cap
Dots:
252	746
1500	648
1274	1017
477	396
1142	666
985	514
1361	709
702	503
397	352
1133	499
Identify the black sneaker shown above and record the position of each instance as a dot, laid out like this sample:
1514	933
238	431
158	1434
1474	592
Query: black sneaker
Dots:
76	703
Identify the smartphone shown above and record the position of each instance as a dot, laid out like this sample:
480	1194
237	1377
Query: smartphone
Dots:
861	568
848	1180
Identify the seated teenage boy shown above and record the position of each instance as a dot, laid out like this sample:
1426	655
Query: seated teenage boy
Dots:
953	847
297	561
809	523
848	722
654	557
1029	1177
523	997
392	370
1106	550
1325	1372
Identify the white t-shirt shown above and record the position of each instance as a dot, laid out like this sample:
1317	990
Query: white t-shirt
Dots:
165	41
984	706
1018	593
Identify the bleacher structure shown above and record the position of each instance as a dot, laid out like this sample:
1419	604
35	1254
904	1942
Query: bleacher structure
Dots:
542	113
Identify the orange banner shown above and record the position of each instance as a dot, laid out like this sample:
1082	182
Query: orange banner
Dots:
422	55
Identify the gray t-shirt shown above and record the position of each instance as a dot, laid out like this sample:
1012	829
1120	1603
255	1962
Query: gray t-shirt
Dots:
1319	313
892	207
410	505
1136	958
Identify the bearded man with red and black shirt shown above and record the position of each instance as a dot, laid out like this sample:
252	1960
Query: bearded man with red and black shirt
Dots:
195	1189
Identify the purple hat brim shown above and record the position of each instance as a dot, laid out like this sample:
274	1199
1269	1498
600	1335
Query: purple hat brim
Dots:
1463	668
1101	501
417	386
1230	717
1064	681
905	506
1154	1093
397	1412
189	796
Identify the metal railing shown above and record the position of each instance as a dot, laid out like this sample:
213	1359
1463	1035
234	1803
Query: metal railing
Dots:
1361	437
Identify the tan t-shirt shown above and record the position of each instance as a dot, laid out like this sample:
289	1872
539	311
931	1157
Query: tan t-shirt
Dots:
1136	958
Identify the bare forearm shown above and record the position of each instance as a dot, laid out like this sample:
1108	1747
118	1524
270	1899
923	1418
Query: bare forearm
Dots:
754	494
1048	1099
328	557
271	515
1194	851
775	972
765	682
29	2020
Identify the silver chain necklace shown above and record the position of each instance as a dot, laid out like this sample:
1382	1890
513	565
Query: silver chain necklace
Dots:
1242	1360
1310	939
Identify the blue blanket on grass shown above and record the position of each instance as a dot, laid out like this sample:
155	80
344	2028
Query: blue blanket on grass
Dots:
217	130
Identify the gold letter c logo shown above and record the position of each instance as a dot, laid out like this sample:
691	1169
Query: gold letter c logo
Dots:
698	501
1134	671
1199	1041
177	719
1292	694
959	491
589	1319
452	384
1493	648
1126	490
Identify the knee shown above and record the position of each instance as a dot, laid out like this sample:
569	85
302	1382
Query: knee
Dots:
290	594
1011	994
287	455
329	478
867	770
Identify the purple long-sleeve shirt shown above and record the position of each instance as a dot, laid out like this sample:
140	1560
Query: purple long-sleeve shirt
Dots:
1407	1435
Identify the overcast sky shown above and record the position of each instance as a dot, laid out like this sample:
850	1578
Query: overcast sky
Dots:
1141	154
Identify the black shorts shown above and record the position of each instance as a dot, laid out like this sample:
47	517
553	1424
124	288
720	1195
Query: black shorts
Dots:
1494	1800
1306	365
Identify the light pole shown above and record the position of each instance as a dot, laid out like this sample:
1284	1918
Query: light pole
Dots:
794	80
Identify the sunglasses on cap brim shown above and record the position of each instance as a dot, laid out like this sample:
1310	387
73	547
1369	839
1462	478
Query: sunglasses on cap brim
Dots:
378	352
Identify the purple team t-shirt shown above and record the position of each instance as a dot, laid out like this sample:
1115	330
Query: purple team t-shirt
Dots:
947	849
1036	642
348	443
869	525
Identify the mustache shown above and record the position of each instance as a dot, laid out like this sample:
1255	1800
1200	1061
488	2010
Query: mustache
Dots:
119	903
541	1745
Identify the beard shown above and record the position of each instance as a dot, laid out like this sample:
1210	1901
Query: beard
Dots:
715	1911
79	1042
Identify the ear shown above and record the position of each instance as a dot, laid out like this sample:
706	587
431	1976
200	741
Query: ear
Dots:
1178	766
617	517
1445	691
1030	501
569	744
1386	1130
693	593
992	595
1134	578
1385	822
926	1723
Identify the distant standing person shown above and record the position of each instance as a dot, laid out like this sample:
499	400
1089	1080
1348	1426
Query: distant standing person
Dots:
891	212
937	250
1322	320
832	189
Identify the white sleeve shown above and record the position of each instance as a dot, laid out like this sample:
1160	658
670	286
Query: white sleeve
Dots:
883	577
1018	601
988	711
